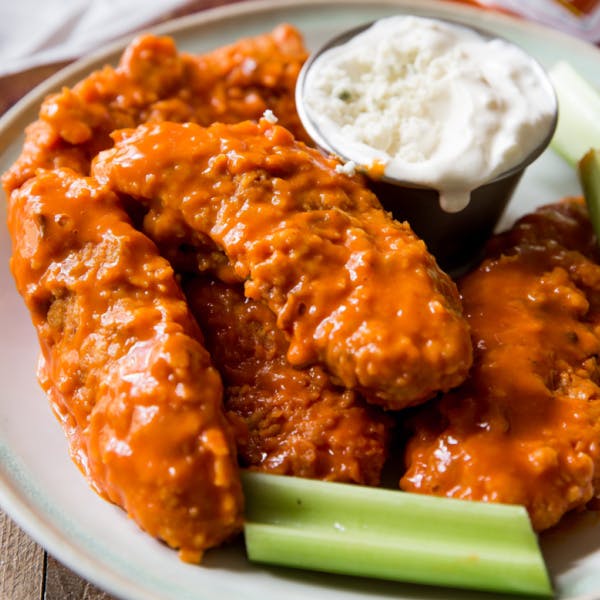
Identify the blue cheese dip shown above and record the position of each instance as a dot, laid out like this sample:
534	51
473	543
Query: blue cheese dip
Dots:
438	104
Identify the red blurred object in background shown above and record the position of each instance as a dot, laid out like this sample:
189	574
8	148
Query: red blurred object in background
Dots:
582	8
580	18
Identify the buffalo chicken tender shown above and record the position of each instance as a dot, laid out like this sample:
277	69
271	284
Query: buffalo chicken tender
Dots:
296	422
525	427
355	291
153	82
122	363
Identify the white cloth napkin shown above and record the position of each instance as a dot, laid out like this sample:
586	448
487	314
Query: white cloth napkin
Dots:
36	32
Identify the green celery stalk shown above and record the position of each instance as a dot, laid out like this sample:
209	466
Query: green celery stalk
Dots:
589	175
388	534
578	127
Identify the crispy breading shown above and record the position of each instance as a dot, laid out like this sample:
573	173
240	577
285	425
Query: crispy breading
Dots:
296	422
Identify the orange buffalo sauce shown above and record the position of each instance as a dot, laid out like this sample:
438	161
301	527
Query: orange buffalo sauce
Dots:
153	82
122	359
525	427
123	364
355	291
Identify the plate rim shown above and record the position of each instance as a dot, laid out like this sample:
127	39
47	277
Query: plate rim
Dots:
12	500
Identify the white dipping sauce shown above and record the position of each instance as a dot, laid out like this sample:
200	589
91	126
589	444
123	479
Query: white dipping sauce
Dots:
438	104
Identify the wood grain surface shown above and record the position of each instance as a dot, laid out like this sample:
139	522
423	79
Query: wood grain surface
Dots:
27	572
21	563
62	584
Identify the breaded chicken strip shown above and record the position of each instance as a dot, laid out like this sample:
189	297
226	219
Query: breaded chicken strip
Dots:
353	289
122	363
525	427
153	82
296	421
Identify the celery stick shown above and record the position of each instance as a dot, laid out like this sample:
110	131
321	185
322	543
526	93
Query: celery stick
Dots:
388	534
589	175
578	127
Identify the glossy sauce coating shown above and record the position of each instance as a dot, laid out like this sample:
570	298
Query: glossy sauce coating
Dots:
525	427
295	421
153	82
335	436
353	289
122	363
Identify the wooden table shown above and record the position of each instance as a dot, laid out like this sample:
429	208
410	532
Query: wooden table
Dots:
27	571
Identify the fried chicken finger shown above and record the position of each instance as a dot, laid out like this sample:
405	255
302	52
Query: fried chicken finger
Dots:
525	427
353	289
122	363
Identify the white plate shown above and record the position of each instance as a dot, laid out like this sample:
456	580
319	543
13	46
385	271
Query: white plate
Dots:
42	490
